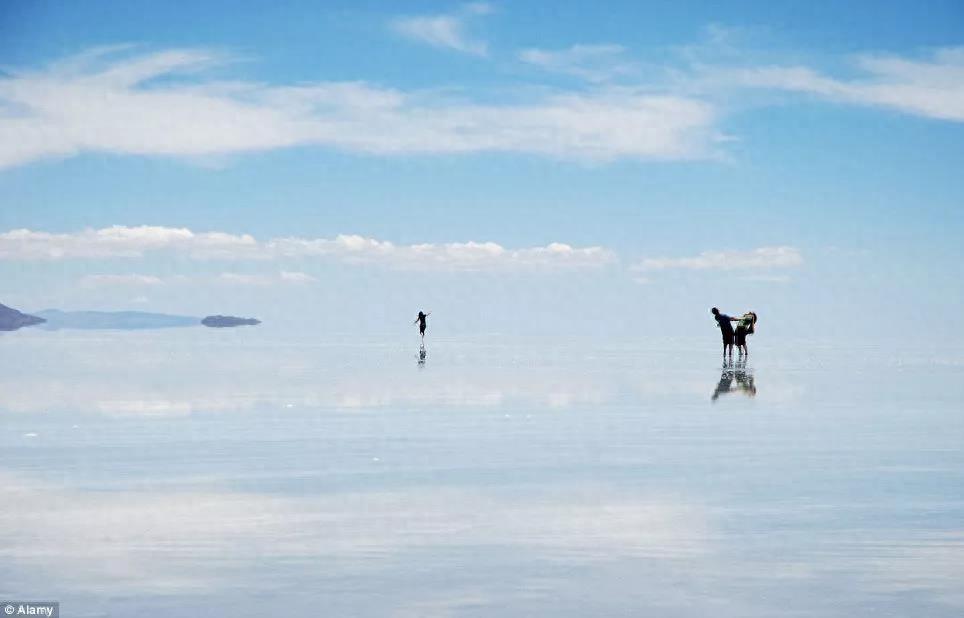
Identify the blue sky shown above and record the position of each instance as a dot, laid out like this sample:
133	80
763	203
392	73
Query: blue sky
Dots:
512	168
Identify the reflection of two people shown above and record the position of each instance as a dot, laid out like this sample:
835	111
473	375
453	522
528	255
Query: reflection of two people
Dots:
736	378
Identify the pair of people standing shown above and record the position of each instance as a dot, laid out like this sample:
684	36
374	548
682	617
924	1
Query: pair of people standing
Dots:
746	325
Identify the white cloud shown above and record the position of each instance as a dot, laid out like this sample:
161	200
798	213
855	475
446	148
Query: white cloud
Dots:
161	105
446	30
595	63
761	258
133	242
296	277
243	279
766	278
932	88
121	241
282	277
120	280
447	256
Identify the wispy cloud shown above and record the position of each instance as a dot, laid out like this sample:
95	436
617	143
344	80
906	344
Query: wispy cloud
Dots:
594	63
932	87
120	280
230	278
761	258
296	277
283	277
161	104
766	278
448	30
133	242
465	256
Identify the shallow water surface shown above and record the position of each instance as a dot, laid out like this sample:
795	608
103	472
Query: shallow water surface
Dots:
250	473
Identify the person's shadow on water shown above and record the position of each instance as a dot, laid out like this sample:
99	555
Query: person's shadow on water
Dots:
739	373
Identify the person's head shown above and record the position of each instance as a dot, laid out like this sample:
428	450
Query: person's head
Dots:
752	315
421	314
715	311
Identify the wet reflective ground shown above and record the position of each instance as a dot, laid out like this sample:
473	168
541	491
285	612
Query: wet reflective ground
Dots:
253	473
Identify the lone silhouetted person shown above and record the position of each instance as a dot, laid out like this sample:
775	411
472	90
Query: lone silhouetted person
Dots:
421	324
726	329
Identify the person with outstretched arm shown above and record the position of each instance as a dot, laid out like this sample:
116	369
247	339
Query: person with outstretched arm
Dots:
726	329
421	323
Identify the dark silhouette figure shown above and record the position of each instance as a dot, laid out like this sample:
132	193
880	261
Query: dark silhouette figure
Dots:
422	324
726	329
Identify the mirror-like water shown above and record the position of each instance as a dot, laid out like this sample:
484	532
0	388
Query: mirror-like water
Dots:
248	473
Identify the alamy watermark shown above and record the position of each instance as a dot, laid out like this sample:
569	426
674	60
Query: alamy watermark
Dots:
44	609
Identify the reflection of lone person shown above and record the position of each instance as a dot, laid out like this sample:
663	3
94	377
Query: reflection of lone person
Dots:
421	323
726	329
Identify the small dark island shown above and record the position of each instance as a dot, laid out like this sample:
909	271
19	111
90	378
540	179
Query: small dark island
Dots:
11	319
228	321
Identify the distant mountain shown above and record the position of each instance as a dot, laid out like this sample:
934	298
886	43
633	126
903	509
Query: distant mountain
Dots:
227	321
113	320
11	319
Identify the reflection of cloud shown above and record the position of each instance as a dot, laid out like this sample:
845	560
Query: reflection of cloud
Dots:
179	393
167	375
141	540
933	565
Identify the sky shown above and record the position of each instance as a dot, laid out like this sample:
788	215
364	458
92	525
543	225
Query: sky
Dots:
609	171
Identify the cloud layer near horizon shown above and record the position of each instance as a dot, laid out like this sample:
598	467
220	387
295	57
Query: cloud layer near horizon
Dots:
131	242
756	259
